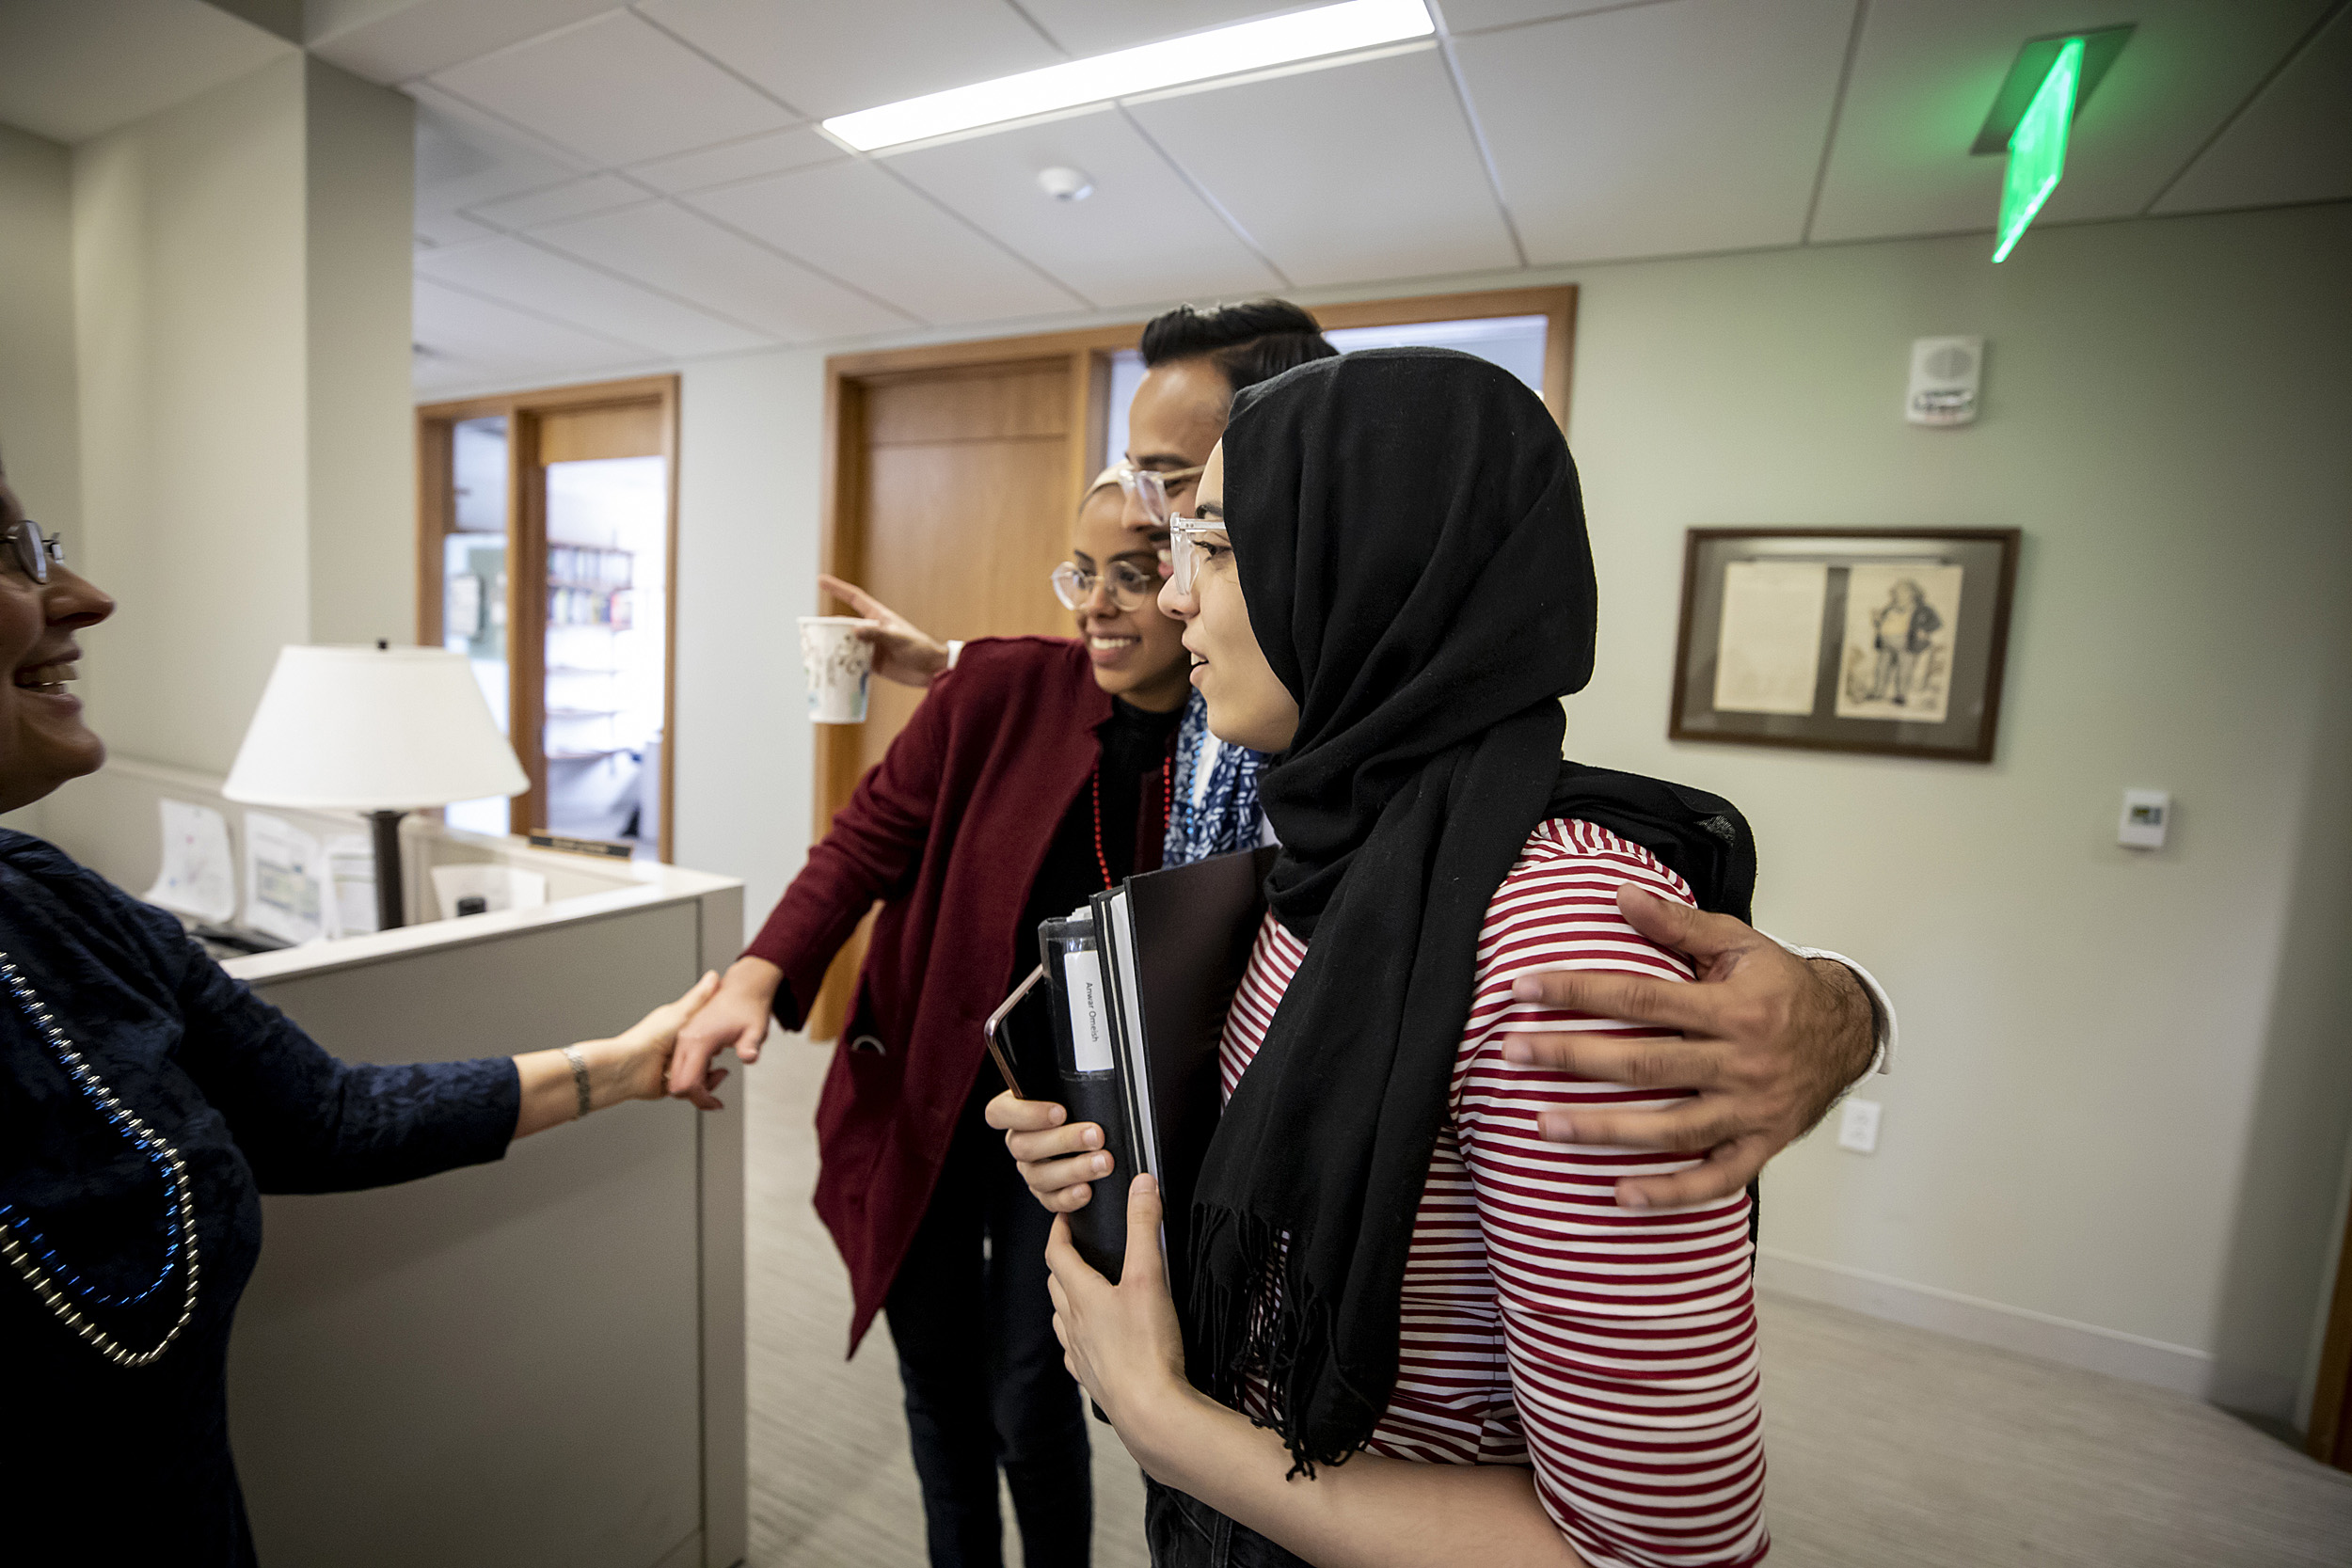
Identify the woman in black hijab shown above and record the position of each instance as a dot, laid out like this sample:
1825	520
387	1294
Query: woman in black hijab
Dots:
1415	1332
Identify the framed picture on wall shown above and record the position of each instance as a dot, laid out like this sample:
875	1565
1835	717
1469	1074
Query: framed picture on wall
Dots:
1845	639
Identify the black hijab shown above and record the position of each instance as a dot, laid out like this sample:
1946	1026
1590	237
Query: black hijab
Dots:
1411	539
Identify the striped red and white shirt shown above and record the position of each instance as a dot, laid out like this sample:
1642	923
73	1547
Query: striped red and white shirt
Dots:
1615	1350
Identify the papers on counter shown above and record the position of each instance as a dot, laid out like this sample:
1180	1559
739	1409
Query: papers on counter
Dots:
285	880
198	876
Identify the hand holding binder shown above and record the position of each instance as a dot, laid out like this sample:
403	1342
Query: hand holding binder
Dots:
1142	980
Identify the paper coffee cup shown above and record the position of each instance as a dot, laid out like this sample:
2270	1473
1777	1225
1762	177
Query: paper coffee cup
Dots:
839	664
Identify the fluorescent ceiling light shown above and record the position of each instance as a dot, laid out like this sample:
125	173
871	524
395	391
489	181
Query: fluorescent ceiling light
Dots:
1220	52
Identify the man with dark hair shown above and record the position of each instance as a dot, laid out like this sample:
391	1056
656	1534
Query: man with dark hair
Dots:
1249	343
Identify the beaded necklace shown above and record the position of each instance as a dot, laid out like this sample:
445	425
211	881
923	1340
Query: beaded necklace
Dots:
37	1262
1168	800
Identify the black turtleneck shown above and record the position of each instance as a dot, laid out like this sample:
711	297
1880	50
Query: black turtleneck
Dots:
1138	748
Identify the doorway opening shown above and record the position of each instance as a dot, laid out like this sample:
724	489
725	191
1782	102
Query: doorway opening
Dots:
546	547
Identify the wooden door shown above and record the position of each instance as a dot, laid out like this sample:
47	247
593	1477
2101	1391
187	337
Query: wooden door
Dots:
954	487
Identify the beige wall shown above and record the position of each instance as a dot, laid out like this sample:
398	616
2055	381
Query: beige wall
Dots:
241	306
38	420
2118	1130
37	417
358	176
2123	1095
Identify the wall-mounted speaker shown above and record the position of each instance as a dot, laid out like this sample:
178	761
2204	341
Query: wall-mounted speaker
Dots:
1944	376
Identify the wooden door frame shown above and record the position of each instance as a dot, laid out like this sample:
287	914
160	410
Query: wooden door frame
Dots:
526	559
1086	354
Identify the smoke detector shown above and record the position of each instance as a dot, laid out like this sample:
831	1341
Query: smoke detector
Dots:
1064	184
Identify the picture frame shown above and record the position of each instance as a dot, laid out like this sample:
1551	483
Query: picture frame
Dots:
1888	641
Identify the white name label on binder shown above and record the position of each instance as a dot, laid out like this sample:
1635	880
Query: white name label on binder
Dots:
1090	1020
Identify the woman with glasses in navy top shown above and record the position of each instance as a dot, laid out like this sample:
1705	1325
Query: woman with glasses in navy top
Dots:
147	1102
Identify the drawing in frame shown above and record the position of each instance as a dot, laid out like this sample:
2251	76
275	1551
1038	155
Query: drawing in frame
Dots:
1884	641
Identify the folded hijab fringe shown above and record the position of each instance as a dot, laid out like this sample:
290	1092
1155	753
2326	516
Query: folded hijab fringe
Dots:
1411	544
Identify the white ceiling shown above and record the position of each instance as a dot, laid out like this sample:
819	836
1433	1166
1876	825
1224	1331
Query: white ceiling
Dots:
604	187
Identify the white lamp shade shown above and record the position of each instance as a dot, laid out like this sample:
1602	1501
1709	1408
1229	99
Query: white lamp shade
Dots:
371	729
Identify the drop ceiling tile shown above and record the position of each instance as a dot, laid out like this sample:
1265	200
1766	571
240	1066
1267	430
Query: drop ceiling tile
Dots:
829	57
435	228
70	70
1660	130
464	158
801	147
1142	236
596	193
1098	26
1472	16
517	272
685	254
2293	143
855	221
1925	73
616	91
472	341
399	40
1346	173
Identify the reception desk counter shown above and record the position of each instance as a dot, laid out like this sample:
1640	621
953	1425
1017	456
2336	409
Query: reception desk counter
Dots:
539	1361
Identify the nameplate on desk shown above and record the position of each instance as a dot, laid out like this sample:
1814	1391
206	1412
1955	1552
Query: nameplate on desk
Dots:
602	848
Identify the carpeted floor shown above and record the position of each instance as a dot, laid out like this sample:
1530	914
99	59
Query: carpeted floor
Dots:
1888	1445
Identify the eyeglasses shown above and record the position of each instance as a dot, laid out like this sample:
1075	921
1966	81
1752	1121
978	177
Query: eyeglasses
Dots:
30	551
1190	550
1131	585
1148	487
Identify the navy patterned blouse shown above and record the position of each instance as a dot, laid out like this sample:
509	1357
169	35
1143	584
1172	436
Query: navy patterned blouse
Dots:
117	1464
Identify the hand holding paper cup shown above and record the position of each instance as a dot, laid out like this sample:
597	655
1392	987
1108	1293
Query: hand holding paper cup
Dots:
839	663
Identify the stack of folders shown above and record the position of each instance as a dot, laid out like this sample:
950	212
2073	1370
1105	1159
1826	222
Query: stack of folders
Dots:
1141	978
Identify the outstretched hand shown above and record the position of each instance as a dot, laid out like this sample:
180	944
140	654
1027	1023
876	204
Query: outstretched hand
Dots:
903	652
1770	1042
735	1016
648	1047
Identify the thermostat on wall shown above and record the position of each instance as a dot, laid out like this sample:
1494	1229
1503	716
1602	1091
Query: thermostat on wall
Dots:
1944	375
2146	814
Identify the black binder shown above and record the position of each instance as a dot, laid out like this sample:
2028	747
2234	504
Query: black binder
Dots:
1093	1085
1171	946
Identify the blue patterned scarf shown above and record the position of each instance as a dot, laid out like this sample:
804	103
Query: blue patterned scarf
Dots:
1224	816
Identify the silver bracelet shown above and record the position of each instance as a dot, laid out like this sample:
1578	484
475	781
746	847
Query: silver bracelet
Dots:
579	1075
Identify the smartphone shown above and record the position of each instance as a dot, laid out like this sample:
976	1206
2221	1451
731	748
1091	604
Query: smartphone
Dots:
1000	1048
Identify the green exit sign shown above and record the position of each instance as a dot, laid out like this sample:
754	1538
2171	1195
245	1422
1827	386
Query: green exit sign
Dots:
2032	116
2037	148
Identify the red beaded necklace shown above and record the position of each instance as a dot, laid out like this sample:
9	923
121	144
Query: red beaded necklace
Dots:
1167	804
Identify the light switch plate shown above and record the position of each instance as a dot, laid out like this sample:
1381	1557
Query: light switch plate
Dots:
2147	813
1858	1126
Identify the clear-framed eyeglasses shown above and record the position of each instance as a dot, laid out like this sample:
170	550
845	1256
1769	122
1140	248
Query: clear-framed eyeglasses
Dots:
1131	586
1148	487
30	551
1193	542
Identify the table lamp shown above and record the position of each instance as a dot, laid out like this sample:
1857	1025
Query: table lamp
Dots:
381	731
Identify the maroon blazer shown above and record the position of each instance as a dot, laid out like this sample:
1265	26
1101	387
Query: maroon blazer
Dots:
949	831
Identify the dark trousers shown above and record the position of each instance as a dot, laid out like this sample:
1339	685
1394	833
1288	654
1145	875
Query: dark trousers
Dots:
1185	1533
985	1383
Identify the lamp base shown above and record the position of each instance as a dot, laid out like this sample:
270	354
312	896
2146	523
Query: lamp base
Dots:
391	907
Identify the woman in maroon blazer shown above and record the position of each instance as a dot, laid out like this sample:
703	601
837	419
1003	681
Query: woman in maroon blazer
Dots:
1033	774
